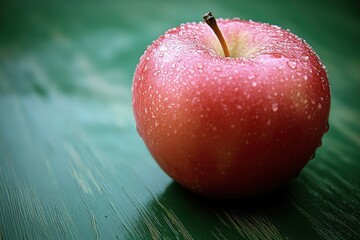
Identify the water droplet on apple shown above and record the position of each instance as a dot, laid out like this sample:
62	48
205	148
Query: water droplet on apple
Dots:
254	84
268	122
217	69
275	107
327	127
319	106
291	64
277	55
163	48
200	65
232	125
312	156
305	77
305	58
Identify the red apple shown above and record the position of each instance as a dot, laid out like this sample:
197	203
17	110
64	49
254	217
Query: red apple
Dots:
232	126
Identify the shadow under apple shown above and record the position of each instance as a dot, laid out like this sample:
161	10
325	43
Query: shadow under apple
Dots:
180	214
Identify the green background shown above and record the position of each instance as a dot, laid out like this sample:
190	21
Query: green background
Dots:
72	165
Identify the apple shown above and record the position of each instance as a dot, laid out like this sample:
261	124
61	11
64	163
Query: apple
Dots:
232	110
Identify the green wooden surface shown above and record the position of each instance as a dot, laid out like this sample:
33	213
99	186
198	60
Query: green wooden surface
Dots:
72	165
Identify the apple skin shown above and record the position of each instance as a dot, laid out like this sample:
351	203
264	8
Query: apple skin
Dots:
231	127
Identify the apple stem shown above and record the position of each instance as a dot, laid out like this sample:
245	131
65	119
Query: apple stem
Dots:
211	21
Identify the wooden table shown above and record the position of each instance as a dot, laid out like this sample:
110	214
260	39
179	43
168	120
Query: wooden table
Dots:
72	165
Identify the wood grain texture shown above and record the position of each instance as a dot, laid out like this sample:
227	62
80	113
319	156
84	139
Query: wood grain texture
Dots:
72	165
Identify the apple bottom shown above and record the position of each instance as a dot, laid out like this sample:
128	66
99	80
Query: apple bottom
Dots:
240	181
222	169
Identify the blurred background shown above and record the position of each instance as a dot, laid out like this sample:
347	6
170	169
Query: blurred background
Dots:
73	166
